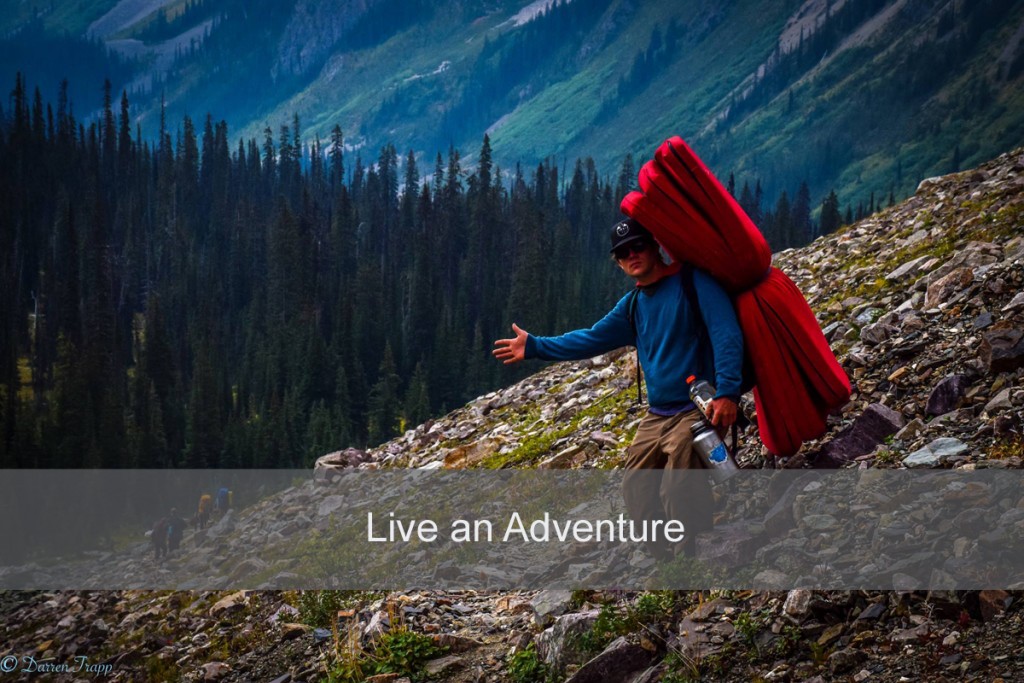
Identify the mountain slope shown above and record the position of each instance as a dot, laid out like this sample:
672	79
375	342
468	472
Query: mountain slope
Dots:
912	298
860	97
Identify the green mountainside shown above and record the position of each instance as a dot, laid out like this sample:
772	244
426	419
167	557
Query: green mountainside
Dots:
865	97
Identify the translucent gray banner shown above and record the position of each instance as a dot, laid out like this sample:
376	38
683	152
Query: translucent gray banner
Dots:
848	530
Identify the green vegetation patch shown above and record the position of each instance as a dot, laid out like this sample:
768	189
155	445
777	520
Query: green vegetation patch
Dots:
526	666
399	651
532	448
319	609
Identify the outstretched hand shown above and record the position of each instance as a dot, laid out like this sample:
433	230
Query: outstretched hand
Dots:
722	412
511	350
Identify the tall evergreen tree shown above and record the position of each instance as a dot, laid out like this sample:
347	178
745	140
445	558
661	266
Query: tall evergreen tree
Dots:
801	217
181	305
384	406
831	219
205	427
782	223
627	178
417	397
124	144
337	158
746	200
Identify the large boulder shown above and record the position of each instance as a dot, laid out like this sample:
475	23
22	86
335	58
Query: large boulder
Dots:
870	429
549	604
1002	350
236	602
946	395
935	453
327	466
471	454
945	287
616	664
558	646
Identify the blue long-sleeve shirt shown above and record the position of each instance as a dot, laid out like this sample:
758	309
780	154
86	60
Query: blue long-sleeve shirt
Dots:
668	339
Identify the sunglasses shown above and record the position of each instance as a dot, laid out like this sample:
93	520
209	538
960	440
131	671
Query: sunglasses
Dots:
636	247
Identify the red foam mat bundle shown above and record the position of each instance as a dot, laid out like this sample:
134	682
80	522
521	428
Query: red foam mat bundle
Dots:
798	380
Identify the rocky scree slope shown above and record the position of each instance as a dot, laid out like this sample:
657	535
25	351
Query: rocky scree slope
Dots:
924	306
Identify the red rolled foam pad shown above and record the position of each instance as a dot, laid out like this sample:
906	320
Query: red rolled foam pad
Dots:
798	380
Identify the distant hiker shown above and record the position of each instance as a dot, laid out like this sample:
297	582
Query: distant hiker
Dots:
203	514
223	500
175	530
158	537
673	341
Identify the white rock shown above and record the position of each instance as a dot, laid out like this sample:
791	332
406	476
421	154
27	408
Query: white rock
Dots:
798	602
232	603
436	465
1016	303
214	671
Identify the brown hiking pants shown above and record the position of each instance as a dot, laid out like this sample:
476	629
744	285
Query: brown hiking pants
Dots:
666	443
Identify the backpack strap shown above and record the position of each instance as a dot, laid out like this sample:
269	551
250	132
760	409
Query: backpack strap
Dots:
631	316
686	273
747	369
690	290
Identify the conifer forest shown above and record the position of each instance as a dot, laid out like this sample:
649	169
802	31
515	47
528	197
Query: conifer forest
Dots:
193	301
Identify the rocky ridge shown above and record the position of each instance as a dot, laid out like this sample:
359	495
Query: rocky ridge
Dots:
923	305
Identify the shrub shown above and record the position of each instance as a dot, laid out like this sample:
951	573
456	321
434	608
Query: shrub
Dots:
653	607
404	652
525	666
319	608
608	626
679	669
348	670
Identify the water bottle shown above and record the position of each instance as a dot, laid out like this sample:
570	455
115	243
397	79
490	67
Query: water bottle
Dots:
712	451
701	393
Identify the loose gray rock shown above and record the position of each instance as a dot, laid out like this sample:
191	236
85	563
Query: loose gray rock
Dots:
935	452
844	660
872	612
908	268
350	457
616	664
214	671
999	403
1002	350
1016	303
729	545
943	288
436	667
909	635
558	646
235	602
798	602
983	321
947	395
911	430
876	333
547	605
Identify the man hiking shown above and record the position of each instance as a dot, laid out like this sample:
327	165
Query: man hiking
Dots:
203	513
223	500
682	323
158	537
175	530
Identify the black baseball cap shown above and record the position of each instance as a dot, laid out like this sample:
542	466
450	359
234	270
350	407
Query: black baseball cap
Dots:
628	231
